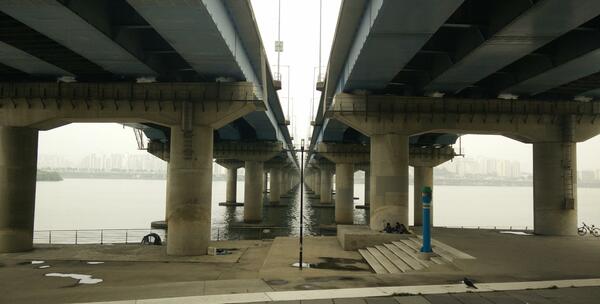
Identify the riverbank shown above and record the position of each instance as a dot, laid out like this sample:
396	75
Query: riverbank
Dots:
48	176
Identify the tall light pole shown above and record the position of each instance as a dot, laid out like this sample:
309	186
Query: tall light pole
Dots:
320	32
300	265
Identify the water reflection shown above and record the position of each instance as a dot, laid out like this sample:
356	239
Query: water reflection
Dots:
280	220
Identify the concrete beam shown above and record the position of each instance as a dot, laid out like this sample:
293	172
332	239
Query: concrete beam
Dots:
245	151
45	106
344	153
525	120
430	156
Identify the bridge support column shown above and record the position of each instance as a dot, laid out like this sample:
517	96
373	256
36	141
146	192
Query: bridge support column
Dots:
18	169
254	155
326	185
389	179
276	185
253	186
344	156
317	188
231	191
555	188
344	193
424	159
265	182
231	187
367	186
190	190
423	177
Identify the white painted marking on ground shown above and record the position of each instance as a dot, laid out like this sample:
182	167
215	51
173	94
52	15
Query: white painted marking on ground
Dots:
516	232
94	263
82	278
44	266
37	262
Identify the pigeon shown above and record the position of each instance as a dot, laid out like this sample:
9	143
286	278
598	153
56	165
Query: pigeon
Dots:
469	283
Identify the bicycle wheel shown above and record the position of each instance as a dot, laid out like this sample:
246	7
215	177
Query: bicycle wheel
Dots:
596	232
581	231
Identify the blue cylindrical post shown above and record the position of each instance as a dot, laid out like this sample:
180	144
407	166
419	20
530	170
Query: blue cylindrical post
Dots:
426	199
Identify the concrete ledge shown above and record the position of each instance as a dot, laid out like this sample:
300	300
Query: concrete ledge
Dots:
354	237
231	204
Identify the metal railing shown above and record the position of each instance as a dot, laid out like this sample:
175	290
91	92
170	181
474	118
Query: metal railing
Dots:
94	236
134	236
510	228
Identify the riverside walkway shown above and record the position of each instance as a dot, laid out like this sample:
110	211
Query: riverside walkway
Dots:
133	272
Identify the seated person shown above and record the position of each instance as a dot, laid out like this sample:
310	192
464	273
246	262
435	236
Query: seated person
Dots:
388	228
400	228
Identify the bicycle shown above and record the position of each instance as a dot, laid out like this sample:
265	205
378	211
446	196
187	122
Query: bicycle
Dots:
583	230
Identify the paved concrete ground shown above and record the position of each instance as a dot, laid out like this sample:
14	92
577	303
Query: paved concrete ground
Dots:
582	295
263	266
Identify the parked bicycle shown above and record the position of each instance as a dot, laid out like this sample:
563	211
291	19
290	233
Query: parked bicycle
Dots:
583	230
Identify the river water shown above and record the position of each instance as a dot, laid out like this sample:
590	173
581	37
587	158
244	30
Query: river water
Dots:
75	204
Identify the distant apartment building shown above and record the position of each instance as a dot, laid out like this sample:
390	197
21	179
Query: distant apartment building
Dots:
465	167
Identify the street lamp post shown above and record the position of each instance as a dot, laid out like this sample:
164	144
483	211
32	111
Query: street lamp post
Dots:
300	265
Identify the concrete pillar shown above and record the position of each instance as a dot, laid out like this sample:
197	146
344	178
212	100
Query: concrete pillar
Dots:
317	181
389	180
423	177
18	169
344	197
555	188
367	187
265	181
167	194
326	184
231	190
275	195
253	187
190	190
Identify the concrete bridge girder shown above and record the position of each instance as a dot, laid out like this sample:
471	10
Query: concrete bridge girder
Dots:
526	121
45	106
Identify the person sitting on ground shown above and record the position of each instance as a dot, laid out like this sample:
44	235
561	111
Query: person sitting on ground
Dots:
388	228
400	228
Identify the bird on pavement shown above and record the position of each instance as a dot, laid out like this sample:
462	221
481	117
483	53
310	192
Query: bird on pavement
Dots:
469	283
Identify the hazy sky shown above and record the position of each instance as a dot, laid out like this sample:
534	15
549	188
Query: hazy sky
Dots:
300	34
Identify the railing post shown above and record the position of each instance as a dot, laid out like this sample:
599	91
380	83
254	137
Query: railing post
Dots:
75	237
49	237
101	236
126	236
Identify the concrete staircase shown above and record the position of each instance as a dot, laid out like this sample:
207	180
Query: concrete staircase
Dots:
402	256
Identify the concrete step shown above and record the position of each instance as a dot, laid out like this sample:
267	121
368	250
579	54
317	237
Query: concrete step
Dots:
412	253
387	264
394	259
412	245
439	260
375	265
405	257
451	250
443	254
